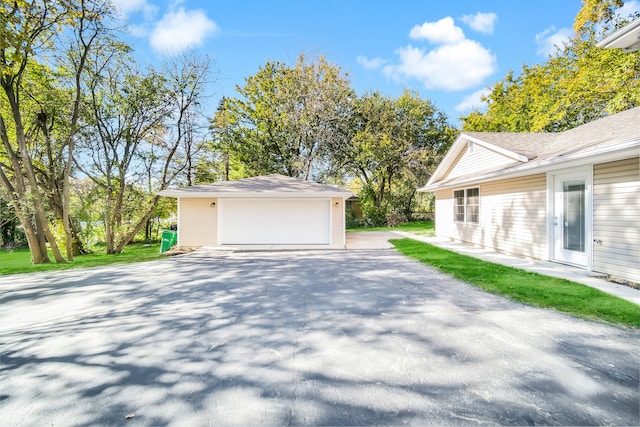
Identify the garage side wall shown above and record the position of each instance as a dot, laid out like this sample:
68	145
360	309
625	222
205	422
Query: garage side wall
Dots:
197	222
616	223
512	217
337	222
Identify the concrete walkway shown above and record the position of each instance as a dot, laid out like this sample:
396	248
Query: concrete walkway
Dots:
547	268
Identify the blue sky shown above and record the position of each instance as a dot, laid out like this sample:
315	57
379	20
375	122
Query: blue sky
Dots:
449	51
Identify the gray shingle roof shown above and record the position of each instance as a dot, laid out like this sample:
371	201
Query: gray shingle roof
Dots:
607	131
527	144
267	185
591	139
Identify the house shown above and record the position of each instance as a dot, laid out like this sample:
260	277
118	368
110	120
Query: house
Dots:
626	38
261	211
571	197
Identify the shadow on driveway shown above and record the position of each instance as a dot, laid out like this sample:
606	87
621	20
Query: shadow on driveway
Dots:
299	338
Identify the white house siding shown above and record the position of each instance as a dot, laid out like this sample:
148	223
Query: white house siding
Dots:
197	222
616	218
512	217
337	222
444	214
481	159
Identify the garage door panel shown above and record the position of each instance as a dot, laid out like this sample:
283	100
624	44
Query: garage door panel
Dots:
274	222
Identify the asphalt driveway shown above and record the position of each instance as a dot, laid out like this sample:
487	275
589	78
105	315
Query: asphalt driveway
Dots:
357	337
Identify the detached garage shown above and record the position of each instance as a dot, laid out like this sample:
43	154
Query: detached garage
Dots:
271	210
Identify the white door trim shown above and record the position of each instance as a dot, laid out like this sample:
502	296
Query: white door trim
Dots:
555	218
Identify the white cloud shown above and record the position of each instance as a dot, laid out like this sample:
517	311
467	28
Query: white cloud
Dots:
443	31
138	30
456	63
370	64
127	7
481	22
629	8
473	101
181	30
550	39
451	67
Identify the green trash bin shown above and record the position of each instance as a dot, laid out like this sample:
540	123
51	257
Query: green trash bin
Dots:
169	238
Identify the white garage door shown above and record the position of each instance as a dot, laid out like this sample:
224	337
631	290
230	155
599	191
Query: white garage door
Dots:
274	221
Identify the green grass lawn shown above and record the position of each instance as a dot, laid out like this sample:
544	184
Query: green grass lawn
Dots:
19	260
421	228
527	287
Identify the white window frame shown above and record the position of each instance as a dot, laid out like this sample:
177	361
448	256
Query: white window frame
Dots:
465	205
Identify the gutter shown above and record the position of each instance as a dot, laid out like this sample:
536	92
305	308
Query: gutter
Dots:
244	195
628	149
626	38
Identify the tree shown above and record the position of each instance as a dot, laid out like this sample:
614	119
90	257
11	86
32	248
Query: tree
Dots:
137	137
595	12
9	232
396	144
32	30
578	84
286	118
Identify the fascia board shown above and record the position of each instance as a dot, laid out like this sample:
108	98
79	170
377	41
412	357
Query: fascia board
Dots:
510	154
458	146
254	195
448	159
625	37
626	150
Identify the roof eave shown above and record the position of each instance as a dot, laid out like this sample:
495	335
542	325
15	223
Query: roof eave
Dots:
626	38
458	146
603	155
507	153
262	195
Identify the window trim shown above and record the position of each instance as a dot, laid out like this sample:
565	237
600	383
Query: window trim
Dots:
465	205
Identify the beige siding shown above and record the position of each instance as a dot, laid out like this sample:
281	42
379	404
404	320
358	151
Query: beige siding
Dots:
444	214
512	217
481	159
197	222
616	218
337	222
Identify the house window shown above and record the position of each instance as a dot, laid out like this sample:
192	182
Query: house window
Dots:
458	205
473	205
466	205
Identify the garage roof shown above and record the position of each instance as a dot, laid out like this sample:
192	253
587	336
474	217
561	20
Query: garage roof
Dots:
274	185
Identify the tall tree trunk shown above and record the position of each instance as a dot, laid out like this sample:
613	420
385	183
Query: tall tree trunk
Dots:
126	239
20	201
56	204
86	44
35	242
108	224
34	196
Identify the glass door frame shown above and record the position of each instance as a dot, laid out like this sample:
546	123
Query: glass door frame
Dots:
556	216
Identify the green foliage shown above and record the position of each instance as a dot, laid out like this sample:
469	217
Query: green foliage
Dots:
287	120
395	146
138	138
578	84
595	12
526	287
306	122
44	45
11	235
